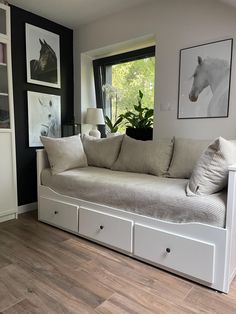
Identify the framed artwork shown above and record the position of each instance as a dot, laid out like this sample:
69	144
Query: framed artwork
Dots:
44	117
42	56
204	80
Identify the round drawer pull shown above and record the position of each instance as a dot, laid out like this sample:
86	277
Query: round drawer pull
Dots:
56	212
167	250
101	227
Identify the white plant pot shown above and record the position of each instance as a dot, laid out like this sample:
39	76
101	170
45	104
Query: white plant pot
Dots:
112	134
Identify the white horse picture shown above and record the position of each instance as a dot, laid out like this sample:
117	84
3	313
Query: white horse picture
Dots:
214	73
204	88
51	126
44	115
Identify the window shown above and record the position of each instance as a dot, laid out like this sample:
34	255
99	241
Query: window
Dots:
119	78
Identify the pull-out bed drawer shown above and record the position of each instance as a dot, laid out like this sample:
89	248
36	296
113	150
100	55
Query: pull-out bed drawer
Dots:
186	255
108	229
59	214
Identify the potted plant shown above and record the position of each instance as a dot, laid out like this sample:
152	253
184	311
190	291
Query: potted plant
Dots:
112	94
113	127
139	123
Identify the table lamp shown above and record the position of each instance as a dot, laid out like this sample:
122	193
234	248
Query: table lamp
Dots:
95	117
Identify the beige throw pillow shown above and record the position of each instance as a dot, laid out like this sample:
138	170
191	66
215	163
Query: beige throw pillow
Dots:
210	174
151	157
185	155
102	152
64	153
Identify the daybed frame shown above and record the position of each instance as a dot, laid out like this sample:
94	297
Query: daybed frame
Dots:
200	252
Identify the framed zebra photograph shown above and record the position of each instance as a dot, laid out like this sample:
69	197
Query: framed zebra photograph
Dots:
204	80
42	56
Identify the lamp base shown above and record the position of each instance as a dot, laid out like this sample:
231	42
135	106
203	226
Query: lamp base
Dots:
95	132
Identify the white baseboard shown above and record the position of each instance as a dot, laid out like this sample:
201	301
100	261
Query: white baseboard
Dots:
27	207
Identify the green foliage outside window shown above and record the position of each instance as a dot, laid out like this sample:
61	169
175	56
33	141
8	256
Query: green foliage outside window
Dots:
140	117
130	77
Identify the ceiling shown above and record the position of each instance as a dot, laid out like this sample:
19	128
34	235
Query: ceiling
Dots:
72	13
230	2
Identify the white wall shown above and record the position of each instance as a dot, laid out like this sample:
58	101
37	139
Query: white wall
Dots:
175	24
87	89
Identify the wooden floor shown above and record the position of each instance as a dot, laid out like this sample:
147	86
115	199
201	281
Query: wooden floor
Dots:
46	270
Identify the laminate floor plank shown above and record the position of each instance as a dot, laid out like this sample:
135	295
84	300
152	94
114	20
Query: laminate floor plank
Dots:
43	231
127	288
150	282
52	251
57	274
11	291
118	304
45	295
124	264
56	277
24	307
46	270
4	261
213	301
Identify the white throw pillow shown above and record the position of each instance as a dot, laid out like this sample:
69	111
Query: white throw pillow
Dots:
210	174
102	152
64	153
151	157
185	155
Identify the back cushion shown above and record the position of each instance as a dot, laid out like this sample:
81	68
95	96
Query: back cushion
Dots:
185	155
102	152
151	157
210	174
64	153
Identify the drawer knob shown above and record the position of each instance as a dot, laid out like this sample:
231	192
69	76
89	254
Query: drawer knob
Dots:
56	212
167	250
101	227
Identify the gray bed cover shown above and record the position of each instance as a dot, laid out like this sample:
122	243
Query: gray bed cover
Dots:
148	195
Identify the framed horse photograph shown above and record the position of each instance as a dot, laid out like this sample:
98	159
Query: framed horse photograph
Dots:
204	80
42	56
44	117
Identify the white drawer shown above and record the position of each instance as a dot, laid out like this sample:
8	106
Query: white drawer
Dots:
186	255
59	214
105	228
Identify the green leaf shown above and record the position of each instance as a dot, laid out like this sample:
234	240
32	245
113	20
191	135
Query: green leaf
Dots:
140	94
113	127
108	122
118	121
149	113
142	118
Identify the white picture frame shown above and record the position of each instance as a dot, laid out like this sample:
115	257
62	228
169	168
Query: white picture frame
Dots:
204	80
42	57
44	117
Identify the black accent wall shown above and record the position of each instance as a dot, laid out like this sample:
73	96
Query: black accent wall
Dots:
25	156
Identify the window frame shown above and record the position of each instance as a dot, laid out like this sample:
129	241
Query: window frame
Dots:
100	66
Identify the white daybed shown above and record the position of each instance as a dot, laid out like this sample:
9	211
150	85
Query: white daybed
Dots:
201	252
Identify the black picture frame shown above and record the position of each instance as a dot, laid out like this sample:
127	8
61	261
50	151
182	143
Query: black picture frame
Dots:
201	96
42	56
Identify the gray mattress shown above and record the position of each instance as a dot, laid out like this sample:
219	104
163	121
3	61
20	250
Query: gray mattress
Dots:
162	198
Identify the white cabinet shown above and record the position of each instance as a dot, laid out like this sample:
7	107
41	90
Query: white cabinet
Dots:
8	191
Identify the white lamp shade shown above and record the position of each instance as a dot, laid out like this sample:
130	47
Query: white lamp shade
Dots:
95	116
